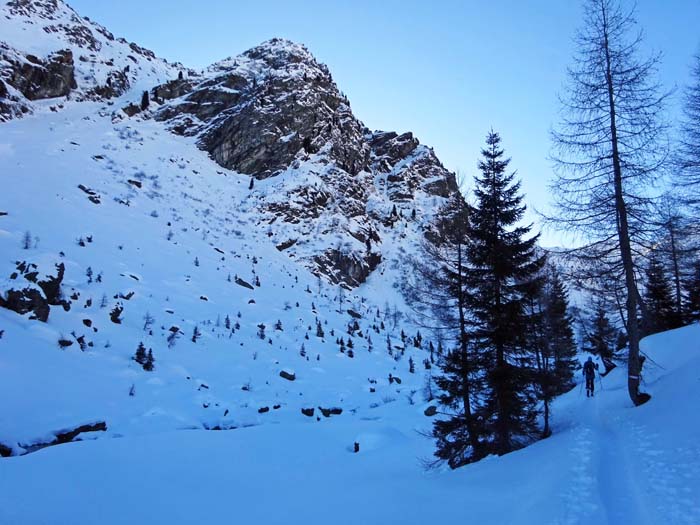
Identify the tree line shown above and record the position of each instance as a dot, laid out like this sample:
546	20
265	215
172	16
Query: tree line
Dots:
623	191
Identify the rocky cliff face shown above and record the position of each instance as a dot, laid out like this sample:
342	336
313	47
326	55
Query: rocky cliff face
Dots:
49	51
258	112
337	188
341	199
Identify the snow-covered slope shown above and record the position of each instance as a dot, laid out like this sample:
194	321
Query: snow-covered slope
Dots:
114	231
341	194
169	233
607	463
47	50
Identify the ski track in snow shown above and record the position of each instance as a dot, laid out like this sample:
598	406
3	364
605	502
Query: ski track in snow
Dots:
617	482
671	476
638	478
579	493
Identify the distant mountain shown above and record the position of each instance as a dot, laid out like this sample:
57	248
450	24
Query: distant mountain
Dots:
48	51
342	196
274	111
240	222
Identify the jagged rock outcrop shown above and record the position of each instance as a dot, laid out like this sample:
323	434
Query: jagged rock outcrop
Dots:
276	110
332	192
35	78
258	112
29	291
83	59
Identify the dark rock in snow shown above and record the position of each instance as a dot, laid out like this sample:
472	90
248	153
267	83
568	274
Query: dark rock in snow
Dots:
64	436
308	412
289	376
328	412
38	79
244	284
5	451
25	299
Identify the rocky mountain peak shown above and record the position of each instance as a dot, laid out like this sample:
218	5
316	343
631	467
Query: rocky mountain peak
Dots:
260	111
276	53
331	193
47	9
336	189
49	51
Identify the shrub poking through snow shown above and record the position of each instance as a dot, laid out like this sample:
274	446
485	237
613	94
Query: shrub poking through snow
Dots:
140	355
149	365
115	314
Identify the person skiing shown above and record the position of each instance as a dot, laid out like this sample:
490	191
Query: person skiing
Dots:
589	369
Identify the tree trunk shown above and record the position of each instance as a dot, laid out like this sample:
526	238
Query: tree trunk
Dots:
623	237
676	270
464	347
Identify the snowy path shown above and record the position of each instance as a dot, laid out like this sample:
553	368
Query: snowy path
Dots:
617	476
606	463
626	460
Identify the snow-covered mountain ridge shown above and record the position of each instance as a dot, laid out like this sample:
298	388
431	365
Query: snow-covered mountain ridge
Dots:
271	112
115	231
275	112
47	51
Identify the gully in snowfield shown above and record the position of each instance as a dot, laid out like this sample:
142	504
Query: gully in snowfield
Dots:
589	370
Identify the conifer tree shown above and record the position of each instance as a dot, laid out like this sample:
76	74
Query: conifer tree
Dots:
601	336
438	295
560	334
27	240
145	101
552	339
688	156
502	270
149	365
691	307
140	355
660	307
609	147
196	334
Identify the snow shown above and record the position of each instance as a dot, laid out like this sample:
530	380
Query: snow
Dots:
607	463
159	460
183	196
96	52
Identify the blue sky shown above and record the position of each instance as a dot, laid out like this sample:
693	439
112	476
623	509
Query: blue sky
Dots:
447	70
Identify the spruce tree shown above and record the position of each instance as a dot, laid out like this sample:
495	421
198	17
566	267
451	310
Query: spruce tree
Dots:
439	295
140	355
658	297
148	366
502	270
552	339
601	337
691	307
560	334
145	101
458	438
196	334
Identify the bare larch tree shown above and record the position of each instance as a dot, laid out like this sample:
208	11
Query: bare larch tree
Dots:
608	151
